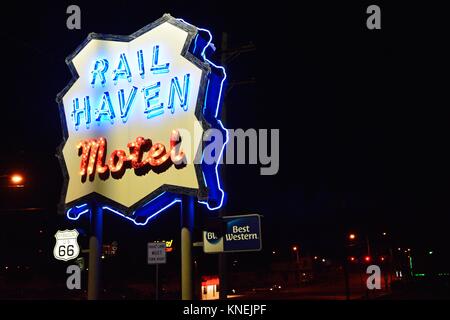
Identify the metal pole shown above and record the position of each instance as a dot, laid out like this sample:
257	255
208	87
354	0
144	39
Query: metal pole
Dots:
156	284
187	223
368	245
222	257
345	268
346	279
95	249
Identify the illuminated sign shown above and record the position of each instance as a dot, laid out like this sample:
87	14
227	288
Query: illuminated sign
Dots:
169	247
135	120
66	246
242	233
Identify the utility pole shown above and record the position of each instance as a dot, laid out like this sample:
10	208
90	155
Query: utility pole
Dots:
222	256
368	244
226	56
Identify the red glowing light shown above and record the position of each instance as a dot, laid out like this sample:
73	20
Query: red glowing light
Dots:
210	281
367	259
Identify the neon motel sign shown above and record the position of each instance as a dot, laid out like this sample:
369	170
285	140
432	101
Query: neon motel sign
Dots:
126	114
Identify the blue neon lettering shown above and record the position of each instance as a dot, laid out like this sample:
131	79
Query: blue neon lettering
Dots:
122	70
141	64
151	97
125	107
100	68
158	69
77	112
106	109
182	94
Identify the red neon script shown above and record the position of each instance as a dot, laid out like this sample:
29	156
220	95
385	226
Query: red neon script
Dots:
142	155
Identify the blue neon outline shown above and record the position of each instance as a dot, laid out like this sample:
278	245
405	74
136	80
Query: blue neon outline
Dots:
148	218
147	203
123	215
195	42
79	214
216	114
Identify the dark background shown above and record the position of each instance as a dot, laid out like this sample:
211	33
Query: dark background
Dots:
363	118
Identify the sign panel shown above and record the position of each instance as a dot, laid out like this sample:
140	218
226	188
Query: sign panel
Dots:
243	233
156	253
134	120
66	247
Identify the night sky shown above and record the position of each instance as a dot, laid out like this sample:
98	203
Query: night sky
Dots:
363	118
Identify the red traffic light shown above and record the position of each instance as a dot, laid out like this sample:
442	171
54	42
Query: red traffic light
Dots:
367	258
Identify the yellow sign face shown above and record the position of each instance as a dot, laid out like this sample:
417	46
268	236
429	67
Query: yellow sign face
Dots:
133	116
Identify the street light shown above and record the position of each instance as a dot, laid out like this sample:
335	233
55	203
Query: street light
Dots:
295	249
352	236
16	180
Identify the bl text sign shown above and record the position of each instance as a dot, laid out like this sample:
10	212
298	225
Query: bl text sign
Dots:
134	119
242	233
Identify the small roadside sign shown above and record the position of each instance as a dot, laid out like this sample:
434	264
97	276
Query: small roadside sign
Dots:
156	253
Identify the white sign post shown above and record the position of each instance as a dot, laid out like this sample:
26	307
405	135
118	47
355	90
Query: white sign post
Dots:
156	254
66	247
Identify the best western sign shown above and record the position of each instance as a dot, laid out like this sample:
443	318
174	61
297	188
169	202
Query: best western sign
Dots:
242	233
134	119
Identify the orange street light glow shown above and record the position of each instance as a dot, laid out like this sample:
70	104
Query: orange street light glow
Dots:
352	236
16	178
294	248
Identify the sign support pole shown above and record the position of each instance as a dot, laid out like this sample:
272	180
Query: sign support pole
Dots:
187	223
95	248
156	283
222	257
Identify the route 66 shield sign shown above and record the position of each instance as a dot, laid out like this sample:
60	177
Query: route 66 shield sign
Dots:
66	247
